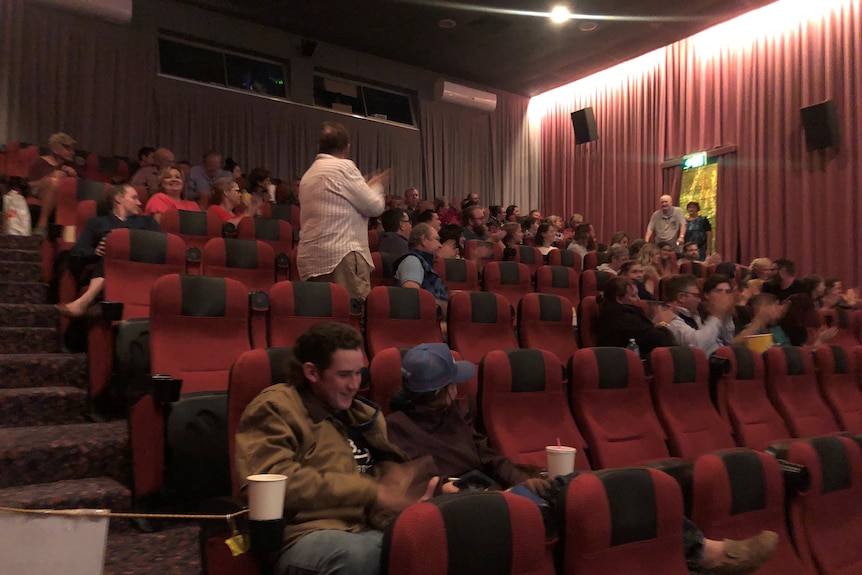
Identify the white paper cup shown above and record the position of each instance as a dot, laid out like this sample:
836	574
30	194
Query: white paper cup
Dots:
561	460
266	496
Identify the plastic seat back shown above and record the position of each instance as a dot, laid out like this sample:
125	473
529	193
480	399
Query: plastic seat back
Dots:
295	306
529	256
457	274
509	279
588	314
611	403
275	232
195	228
838	376
683	405
524	408
792	387
593	282
248	261
592	260
559	280
566	258
545	322
743	402
479	322
849	324
400	317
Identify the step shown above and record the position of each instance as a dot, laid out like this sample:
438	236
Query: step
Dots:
29	340
20	243
88	493
20	271
43	454
28	315
43	369
23	292
18	255
173	551
32	406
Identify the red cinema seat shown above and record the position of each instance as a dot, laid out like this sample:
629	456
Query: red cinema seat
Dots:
373	241
195	228
19	158
611	402
248	261
627	520
296	306
736	494
592	260
198	327
838	376
566	258
133	261
277	233
743	402
492	533
457	274
826	526
559	280
545	322
683	405
696	269
849	324
105	169
524	408
479	322
509	279
383	273
593	282
588	314
529	256
400	317
294	269
71	192
481	252
792	386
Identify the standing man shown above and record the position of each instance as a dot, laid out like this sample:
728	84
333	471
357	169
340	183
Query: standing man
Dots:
667	224
336	204
346	480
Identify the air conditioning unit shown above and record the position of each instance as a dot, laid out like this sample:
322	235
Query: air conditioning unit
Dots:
116	11
464	96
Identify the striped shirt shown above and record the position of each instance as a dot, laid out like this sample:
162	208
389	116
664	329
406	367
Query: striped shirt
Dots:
336	204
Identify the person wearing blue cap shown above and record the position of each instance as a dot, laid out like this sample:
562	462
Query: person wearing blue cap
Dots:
426	420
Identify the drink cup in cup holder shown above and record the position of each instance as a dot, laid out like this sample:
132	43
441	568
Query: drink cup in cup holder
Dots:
166	389
266	511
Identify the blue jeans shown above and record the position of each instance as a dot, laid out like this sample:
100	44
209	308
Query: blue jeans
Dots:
332	552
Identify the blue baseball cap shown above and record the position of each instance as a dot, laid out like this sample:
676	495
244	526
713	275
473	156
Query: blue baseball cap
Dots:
430	366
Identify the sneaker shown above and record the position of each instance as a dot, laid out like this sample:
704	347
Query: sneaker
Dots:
747	555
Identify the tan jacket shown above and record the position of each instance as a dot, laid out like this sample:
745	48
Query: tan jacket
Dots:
288	430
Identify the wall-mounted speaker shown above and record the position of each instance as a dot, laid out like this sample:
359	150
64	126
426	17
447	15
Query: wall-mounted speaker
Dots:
584	123
820	122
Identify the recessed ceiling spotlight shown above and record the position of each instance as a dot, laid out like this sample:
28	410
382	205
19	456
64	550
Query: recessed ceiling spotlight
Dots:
447	23
587	26
560	14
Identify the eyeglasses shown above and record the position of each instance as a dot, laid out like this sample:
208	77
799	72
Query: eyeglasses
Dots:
692	293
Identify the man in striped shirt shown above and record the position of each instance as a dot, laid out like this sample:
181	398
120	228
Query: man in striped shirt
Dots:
336	204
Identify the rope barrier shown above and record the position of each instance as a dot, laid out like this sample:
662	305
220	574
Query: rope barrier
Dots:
121	515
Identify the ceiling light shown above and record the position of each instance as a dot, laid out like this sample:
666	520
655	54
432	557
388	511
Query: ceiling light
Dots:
559	14
447	23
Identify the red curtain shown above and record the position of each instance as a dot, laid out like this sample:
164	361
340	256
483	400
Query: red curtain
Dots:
776	199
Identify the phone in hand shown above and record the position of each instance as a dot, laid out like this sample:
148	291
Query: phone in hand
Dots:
473	481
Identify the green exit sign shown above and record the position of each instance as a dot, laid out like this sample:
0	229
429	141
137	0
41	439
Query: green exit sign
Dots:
694	161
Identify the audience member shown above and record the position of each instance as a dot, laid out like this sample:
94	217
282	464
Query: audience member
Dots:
201	177
396	231
226	198
346	480
583	240
232	168
634	272
452	241
667	224
801	322
836	297
185	169
260	185
690	252
617	256
621	318
784	284
46	173
292	196
171	195
575	221
429	217
546	235
514	235
148	176
535	214
448	214
474	223
815	287
666	265
336	204
683	294
427	421
513	212
145	158
124	207
762	269
415	269
620	239
530	226
635	247
558	224
411	203
698	230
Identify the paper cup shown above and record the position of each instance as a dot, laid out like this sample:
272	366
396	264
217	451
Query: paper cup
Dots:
759	343
561	460
266	496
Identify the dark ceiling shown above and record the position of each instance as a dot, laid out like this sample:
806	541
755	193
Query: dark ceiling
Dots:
517	53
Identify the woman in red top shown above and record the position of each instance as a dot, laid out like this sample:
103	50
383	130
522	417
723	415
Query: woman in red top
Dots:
171	195
225	199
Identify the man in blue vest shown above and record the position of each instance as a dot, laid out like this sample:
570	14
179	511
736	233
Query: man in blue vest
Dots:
415	269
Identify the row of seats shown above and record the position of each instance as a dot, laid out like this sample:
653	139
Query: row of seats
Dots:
17	157
621	520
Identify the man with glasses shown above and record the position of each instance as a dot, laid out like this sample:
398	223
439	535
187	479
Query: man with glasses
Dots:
715	328
396	231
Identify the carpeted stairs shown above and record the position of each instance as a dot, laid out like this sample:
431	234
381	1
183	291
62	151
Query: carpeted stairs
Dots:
51	455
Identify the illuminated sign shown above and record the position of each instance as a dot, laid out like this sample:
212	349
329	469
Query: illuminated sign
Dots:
694	161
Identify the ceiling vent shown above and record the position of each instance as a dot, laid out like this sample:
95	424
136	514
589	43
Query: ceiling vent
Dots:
464	96
116	11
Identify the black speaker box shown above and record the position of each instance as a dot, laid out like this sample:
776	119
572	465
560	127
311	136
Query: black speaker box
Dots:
584	123
821	125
